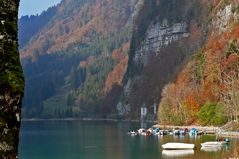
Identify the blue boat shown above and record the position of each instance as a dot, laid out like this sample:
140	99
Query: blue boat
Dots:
193	132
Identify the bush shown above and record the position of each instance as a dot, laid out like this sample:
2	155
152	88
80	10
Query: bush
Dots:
212	114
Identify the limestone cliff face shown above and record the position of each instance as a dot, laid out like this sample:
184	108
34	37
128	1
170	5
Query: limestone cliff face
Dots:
158	36
166	33
11	79
180	51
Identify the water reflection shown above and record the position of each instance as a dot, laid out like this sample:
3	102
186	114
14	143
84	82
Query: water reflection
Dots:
143	125
106	140
177	153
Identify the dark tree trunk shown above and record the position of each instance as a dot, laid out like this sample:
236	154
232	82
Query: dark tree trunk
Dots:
11	80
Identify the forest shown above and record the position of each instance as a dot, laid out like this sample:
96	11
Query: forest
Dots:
74	78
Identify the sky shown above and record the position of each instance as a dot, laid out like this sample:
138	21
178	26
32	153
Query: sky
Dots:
33	7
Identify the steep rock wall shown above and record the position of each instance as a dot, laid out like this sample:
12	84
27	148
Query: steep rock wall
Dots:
166	33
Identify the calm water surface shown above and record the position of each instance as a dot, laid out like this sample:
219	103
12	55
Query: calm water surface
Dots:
104	140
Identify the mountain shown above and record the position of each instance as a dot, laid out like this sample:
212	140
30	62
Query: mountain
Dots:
70	55
166	33
11	80
108	58
210	78
184	56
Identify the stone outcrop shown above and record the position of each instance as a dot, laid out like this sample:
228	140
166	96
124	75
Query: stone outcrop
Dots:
225	18
158	36
166	34
11	80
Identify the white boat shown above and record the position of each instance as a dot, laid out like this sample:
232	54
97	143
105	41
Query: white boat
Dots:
177	153
182	132
132	133
211	149
178	146
140	131
212	144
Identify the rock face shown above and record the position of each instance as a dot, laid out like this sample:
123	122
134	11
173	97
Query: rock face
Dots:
225	18
166	33
181	53
11	79
158	36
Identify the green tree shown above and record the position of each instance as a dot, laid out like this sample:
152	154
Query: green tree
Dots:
212	114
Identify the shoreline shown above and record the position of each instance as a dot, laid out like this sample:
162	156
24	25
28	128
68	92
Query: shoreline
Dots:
208	129
213	130
218	131
88	119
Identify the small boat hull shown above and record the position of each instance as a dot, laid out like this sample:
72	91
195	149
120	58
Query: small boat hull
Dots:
211	149
212	144
132	133
178	146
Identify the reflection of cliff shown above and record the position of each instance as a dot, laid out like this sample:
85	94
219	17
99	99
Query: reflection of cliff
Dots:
158	36
11	80
114	149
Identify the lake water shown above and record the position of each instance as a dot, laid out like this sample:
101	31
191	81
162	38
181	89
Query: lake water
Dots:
104	140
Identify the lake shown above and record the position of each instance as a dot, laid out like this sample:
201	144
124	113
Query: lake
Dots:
104	140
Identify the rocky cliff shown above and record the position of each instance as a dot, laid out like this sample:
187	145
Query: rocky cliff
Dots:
183	55
11	80
179	56
166	33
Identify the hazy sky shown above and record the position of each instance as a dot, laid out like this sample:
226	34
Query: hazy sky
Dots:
33	7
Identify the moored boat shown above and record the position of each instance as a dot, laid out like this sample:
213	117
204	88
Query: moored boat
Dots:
178	146
141	131
193	132
132	133
176	132
211	149
163	132
182	132
212	144
156	131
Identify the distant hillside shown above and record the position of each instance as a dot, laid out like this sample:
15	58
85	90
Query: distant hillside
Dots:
70	57
30	26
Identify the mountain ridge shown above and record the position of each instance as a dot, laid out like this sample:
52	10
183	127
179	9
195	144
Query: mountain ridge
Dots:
84	36
163	54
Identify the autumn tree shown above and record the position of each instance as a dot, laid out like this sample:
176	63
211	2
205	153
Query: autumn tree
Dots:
230	86
230	81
